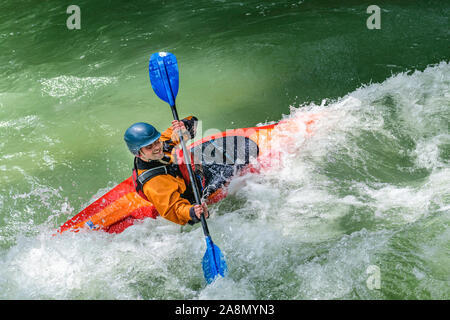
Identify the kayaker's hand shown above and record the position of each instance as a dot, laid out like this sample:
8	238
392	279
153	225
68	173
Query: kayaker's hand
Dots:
198	209
179	127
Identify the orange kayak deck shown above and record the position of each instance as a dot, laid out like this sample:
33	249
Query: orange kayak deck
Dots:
121	207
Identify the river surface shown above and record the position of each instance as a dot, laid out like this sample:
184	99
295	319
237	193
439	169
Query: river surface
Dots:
358	210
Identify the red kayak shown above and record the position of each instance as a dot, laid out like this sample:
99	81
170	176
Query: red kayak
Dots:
223	155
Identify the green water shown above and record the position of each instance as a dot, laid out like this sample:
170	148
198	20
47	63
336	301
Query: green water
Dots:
370	188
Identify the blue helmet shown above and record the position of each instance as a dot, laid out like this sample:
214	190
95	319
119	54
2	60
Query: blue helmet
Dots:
139	135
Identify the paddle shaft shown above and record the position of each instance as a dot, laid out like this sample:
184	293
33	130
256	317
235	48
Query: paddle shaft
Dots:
194	184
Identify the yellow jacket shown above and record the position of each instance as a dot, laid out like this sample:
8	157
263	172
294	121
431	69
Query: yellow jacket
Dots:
164	191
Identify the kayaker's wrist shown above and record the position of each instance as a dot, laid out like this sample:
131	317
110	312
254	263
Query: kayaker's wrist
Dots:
194	218
190	124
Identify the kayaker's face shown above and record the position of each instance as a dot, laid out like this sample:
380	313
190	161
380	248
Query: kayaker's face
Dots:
153	151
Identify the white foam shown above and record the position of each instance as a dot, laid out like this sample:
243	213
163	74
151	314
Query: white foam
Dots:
284	233
73	87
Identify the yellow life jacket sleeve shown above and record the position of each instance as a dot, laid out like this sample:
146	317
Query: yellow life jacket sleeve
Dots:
164	192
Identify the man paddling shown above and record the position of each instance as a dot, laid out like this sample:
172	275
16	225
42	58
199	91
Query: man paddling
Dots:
157	178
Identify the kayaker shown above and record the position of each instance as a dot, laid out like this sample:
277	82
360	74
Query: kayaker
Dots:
157	178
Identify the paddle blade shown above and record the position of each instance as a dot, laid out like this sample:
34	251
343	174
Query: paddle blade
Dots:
163	72
213	262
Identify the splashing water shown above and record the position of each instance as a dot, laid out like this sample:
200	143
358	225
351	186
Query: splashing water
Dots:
370	187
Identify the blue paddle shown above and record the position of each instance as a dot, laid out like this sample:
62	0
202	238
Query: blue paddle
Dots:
163	71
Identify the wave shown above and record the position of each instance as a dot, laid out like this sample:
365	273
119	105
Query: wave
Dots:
369	188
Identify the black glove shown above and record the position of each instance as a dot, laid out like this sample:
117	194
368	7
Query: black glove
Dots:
191	125
194	218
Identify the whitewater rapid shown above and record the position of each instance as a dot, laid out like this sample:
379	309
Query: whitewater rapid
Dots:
369	189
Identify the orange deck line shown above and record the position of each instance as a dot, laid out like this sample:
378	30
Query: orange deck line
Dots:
115	211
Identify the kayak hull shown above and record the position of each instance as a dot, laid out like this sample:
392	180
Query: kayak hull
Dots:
121	207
